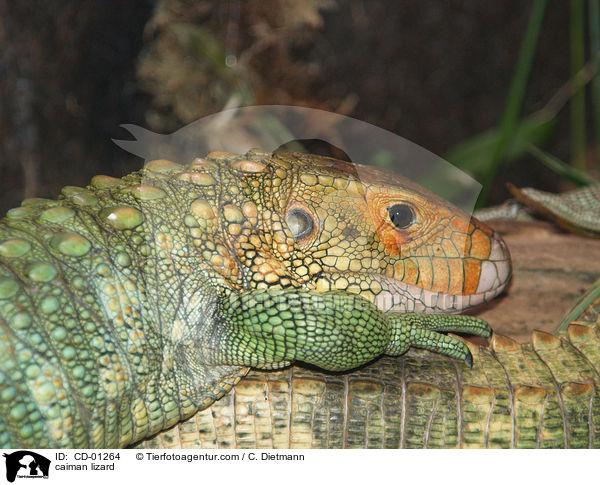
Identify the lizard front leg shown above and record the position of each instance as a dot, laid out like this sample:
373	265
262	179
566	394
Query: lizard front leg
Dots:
334	330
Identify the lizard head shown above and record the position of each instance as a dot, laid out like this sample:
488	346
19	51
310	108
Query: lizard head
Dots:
326	224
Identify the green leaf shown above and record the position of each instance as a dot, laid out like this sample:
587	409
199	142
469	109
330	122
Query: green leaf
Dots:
473	155
561	168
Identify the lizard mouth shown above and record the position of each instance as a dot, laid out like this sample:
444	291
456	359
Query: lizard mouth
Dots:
402	297
494	275
393	295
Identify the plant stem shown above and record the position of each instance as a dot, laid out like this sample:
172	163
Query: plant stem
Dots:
516	93
594	15
561	168
578	151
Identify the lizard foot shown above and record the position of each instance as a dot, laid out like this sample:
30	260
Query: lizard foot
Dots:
422	331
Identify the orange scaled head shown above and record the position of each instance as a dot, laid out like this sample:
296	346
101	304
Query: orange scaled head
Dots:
380	235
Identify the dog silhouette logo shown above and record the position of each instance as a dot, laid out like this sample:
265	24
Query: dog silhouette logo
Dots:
27	464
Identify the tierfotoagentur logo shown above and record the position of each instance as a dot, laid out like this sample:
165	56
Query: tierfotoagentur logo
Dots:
26	464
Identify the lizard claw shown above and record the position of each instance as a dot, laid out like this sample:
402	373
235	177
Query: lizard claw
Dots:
469	360
422	331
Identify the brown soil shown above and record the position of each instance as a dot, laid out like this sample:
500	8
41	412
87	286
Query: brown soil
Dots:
550	270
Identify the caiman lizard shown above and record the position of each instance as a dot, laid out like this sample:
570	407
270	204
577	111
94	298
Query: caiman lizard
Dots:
129	305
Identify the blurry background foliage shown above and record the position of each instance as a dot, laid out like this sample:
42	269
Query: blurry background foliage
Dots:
506	90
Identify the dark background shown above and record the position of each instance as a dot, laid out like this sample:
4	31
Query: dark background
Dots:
436	73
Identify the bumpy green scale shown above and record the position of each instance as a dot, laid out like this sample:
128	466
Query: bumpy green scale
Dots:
128	305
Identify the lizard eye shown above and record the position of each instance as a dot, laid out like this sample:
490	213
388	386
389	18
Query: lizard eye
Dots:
300	223
401	215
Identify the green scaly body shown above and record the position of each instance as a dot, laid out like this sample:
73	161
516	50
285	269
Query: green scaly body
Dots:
128	306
